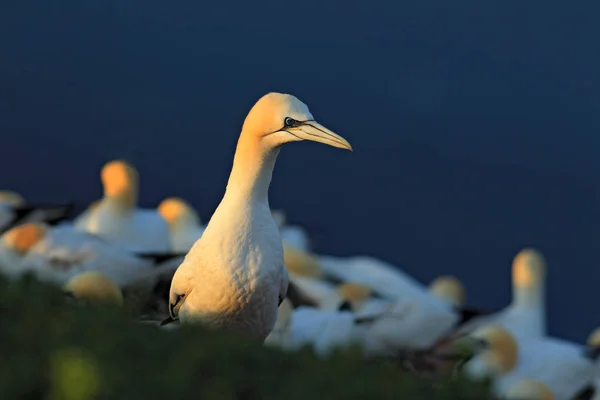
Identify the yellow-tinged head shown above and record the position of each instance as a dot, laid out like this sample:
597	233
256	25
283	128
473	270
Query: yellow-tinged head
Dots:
301	263
21	238
498	352
12	198
278	118
448	288
528	268
175	210
593	339
94	286
528	389
120	180
354	292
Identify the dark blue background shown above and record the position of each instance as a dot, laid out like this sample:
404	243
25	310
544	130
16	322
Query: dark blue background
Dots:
475	124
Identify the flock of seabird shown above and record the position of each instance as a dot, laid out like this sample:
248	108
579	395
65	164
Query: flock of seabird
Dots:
249	271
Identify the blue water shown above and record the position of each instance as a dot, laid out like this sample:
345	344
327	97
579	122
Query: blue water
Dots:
475	125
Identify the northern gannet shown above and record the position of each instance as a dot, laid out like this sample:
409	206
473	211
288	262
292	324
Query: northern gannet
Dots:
14	210
117	217
57	254
566	368
184	223
528	389
234	275
496	353
526	315
425	317
94	286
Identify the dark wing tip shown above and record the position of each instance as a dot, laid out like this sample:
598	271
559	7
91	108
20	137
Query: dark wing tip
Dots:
159	258
345	306
467	313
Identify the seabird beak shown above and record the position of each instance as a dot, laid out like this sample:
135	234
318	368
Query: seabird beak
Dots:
312	130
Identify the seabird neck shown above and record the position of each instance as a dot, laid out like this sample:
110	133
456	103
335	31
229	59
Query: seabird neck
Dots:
252	170
529	295
122	203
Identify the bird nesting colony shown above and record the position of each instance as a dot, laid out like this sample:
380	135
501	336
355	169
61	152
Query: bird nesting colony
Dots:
372	331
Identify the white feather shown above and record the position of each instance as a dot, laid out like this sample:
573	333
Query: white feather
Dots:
65	252
557	363
142	230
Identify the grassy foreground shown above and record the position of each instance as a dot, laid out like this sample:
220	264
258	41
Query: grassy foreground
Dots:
55	349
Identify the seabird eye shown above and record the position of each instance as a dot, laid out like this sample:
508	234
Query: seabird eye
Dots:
289	122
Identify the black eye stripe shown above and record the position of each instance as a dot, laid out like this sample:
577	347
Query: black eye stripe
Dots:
285	127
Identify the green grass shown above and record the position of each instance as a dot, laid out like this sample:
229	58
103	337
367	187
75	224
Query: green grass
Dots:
55	349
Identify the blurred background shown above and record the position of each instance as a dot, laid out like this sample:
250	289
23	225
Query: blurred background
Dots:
475	124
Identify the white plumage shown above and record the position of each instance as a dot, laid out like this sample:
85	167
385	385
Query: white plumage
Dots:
323	330
559	364
117	217
57	254
234	275
525	317
184	223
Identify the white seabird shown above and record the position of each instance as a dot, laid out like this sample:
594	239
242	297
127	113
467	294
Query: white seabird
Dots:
184	223
525	317
117	217
57	254
565	368
425	318
234	275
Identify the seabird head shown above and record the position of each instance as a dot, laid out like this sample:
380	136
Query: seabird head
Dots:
120	181
528	268
496	352
278	118
593	339
177	212
352	296
592	350
21	238
528	389
448	288
354	292
11	198
94	286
